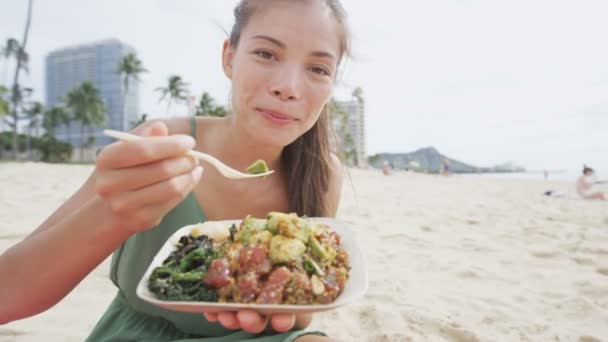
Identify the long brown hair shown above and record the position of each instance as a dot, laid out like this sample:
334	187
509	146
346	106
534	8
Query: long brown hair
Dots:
307	160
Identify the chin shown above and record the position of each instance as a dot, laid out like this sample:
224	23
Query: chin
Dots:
275	137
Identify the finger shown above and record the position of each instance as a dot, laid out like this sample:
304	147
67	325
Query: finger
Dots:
303	320
228	320
251	321
210	316
124	154
114	181
282	322
169	191
151	128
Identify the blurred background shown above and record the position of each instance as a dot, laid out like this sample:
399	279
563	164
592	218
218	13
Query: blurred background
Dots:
495	85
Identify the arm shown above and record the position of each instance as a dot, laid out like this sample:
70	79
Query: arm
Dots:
87	191
43	268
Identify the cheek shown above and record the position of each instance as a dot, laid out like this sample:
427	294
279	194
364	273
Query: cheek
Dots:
246	86
319	96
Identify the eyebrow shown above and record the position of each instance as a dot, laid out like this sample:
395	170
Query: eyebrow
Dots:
282	46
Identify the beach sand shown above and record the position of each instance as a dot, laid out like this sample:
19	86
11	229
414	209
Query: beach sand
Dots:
449	259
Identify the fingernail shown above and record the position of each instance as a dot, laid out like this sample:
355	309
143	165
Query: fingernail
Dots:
198	171
187	141
195	160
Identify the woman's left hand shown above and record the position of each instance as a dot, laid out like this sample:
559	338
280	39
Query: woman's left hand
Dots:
255	323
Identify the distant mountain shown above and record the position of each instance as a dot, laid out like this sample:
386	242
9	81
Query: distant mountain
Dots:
428	159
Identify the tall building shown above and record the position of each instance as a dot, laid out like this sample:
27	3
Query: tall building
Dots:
355	128
96	62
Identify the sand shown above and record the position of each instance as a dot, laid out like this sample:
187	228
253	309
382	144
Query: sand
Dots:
449	259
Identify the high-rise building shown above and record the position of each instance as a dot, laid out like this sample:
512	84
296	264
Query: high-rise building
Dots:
355	128
97	62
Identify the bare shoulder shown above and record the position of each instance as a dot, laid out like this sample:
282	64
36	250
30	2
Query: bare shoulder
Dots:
336	167
334	191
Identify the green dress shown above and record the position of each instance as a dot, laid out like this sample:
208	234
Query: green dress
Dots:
129	318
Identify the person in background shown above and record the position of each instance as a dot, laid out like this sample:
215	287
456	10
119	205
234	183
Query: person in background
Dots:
386	169
585	183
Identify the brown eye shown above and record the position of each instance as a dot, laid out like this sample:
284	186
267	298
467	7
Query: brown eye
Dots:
320	71
264	54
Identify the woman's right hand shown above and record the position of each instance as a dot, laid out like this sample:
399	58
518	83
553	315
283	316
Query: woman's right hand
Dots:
140	181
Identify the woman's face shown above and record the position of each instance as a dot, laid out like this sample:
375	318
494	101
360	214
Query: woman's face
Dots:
283	69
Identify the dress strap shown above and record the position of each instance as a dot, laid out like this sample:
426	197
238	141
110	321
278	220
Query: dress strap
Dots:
193	126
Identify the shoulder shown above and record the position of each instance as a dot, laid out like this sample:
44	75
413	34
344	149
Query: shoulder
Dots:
334	189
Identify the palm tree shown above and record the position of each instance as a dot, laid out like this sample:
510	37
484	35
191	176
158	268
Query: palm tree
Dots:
3	102
176	91
51	149
139	121
22	59
206	107
346	143
8	51
129	67
358	94
4	110
33	115
53	118
87	107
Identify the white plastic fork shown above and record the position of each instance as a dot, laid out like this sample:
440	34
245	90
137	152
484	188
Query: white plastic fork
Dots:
225	170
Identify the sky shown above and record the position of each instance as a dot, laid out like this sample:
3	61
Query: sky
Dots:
485	82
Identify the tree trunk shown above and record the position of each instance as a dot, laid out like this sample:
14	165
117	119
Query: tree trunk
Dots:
14	126
5	70
124	104
28	142
69	132
16	79
81	142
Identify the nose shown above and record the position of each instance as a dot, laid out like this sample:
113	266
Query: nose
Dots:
285	85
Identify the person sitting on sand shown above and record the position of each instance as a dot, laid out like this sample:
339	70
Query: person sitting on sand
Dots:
585	183
386	169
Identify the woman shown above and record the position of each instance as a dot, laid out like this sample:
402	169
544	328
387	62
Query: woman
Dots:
584	185
282	59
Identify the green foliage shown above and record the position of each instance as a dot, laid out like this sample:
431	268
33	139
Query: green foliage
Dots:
207	107
85	105
373	159
175	91
53	150
6	141
139	121
4	106
346	141
130	67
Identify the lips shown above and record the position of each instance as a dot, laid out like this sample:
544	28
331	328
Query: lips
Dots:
276	117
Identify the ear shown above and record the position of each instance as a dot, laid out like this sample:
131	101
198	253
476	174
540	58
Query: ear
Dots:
227	58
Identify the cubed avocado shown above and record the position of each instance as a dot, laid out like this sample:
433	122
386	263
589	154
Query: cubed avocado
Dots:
324	253
284	249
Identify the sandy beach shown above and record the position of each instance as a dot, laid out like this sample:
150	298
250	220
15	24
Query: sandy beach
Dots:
449	259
